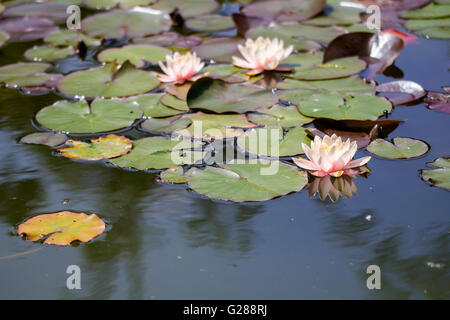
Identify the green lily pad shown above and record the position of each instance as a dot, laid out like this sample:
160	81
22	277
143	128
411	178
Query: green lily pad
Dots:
340	15
438	177
188	9
136	54
39	53
247	182
103	82
108	4
421	24
211	23
153	107
26	74
3	38
401	148
50	139
436	33
352	84
50	10
174	102
101	148
78	117
349	107
279	115
62	227
70	38
137	22
273	141
200	125
428	12
218	96
160	153
221	70
219	49
173	175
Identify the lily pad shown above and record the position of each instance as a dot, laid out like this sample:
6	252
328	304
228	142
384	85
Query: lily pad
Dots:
401	92
247	182
273	141
401	148
421	24
173	175
352	84
436	32
169	39
428	12
160	153
27	28
62	228
438	177
438	101
279	115
351	107
188	9
153	107
174	102
137	22
50	139
218	96
210	23
136	54
27	75
78	117
219	49
105	81
3	38
70	38
108	4
101	148
51	10
48	53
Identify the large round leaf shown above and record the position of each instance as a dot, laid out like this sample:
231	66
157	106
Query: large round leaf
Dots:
438	177
131	23
79	117
136	54
279	115
401	148
218	96
188	9
106	82
349	107
70	38
101	148
62	227
27	75
160	153
153	107
430	11
219	49
213	22
273	141
247	182
108	4
353	84
48	53
51	10
27	28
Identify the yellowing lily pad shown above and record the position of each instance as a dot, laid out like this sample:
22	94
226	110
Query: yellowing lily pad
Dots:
62	228
101	148
248	181
401	148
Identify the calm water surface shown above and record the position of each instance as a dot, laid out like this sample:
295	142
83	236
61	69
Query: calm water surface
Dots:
164	242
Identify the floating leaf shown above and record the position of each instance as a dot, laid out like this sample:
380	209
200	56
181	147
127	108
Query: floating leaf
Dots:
438	101
48	53
353	84
278	115
188	9
27	28
219	49
401	148
401	92
438	177
160	153
70	38
349	107
169	39
173	175
174	102
102	82
210	23
3	38
62	227
437	28
430	11
108	4
273	141
247	182
50	139
101	148
136	54
153	107
218	96
131	23
51	10
27	75
384	127
78	117
339	15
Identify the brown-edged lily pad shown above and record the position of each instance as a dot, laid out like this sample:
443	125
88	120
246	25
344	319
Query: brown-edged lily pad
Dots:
101	148
62	228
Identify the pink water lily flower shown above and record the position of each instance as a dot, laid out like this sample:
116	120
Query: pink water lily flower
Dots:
331	156
262	54
180	68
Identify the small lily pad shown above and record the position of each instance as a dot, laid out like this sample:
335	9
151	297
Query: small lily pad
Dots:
438	177
78	117
106	82
101	148
349	107
70	38
438	101
401	148
136	22
27	75
273	141
160	153
62	228
247	182
47	53
210	23
218	96
50	139
279	115
136	54
173	175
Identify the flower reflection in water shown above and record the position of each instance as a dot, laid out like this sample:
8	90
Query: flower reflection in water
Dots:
332	187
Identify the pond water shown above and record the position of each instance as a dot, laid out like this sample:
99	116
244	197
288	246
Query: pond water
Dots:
165	242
